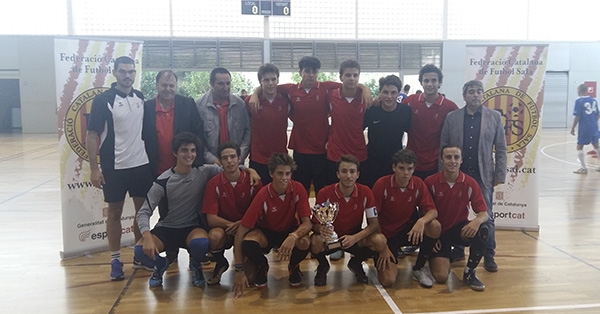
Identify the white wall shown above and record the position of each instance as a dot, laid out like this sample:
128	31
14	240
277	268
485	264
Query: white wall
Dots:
37	84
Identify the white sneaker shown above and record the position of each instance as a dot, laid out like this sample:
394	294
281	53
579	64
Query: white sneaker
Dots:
580	171
422	277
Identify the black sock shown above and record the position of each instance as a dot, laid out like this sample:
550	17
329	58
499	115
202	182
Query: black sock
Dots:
425	249
478	244
252	251
297	257
321	258
218	255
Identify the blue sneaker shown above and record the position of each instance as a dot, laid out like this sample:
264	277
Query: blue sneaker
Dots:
116	270
198	276
156	279
139	265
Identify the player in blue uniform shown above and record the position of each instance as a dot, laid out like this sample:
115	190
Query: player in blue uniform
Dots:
586	115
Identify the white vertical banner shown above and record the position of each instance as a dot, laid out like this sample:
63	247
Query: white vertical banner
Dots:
513	79
83	69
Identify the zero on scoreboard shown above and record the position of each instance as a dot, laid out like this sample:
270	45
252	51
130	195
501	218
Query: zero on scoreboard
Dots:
269	7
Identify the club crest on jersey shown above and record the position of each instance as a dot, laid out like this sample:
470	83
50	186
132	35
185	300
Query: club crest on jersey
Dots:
224	194
392	199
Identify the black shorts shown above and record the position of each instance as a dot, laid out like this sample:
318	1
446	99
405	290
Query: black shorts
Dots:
401	238
173	238
451	238
137	181
263	172
355	249
274	238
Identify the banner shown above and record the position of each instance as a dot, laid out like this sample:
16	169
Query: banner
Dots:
83	69
513	80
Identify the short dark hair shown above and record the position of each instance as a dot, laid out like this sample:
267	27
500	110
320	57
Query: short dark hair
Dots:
279	159
165	72
185	138
406	156
308	62
449	146
348	158
582	89
225	145
349	64
267	68
390	80
471	83
406	88
123	60
215	71
430	68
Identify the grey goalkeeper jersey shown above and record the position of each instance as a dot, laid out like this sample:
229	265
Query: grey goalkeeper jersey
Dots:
182	196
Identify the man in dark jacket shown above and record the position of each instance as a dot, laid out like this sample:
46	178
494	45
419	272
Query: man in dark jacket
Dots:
166	116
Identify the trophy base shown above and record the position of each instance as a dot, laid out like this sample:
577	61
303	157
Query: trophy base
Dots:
331	246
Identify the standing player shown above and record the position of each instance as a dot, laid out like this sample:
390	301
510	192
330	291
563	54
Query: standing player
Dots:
429	109
310	115
586	115
116	123
269	123
454	193
226	199
347	111
271	221
387	124
398	196
354	201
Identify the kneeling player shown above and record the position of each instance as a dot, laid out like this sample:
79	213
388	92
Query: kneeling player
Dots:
452	192
226	199
270	222
179	226
397	197
354	201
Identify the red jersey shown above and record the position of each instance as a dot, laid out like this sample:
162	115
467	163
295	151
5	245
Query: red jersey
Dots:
396	205
310	114
346	133
452	202
268	129
227	201
269	211
426	128
164	136
350	217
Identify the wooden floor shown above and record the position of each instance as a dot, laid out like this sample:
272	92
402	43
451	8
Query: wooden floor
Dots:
555	270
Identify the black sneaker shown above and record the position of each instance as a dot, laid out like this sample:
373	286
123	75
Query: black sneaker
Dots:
321	276
355	266
260	281
471	279
220	268
400	254
410	250
490	264
295	278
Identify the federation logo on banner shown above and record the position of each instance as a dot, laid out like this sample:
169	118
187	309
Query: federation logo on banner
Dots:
76	120
519	114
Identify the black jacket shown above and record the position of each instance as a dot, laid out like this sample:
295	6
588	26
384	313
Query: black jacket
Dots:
186	119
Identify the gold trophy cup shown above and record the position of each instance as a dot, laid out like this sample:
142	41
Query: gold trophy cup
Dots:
326	213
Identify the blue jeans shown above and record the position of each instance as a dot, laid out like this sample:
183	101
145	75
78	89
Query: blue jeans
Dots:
490	248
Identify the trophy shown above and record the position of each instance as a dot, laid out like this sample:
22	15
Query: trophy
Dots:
326	213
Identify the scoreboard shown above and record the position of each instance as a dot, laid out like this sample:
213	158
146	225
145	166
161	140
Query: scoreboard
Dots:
271	7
